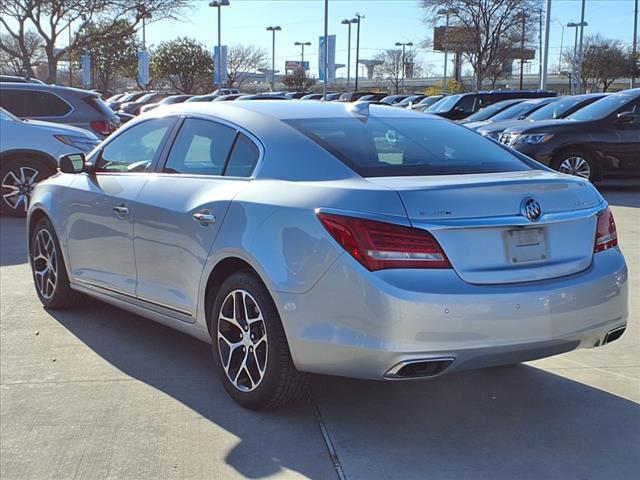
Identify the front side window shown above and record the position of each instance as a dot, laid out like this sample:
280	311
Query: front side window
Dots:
384	147
201	148
603	108
135	149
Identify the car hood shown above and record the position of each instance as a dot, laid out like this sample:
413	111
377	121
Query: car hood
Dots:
59	129
542	125
475	125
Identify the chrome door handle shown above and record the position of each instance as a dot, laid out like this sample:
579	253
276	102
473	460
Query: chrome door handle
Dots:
204	218
121	211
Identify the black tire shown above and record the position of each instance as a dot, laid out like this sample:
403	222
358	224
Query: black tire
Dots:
576	163
57	294
280	383
20	175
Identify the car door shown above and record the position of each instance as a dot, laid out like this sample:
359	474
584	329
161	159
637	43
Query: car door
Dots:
628	148
181	208
99	206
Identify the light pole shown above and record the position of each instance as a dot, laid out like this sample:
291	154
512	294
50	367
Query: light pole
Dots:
403	45
219	4
348	22
446	13
575	67
561	44
273	30
580	52
545	62
522	16
634	46
302	45
358	19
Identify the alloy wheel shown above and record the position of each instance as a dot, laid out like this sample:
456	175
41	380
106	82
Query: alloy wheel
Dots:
45	263
575	165
242	340
17	186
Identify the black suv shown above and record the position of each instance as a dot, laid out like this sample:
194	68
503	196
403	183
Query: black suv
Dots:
461	105
599	140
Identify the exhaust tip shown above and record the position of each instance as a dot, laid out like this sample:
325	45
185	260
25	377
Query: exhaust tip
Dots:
422	368
614	334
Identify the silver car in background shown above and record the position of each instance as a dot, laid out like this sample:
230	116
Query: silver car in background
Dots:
343	239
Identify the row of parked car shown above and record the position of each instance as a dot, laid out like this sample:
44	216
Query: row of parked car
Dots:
592	136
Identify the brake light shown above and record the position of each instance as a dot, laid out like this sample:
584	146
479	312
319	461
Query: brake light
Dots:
380	245
606	233
102	127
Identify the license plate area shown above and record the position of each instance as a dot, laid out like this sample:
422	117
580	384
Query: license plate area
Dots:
526	245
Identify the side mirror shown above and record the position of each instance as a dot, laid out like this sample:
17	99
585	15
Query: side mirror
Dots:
72	163
459	109
625	118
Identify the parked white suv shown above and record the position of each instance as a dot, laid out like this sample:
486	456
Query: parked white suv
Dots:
29	150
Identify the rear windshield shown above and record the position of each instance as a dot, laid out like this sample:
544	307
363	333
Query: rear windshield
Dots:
99	105
388	147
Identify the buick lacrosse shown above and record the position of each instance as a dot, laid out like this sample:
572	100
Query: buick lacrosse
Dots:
343	239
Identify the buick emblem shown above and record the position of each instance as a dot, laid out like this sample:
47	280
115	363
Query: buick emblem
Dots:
531	209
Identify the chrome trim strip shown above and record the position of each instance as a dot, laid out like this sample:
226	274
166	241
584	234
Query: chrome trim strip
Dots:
131	297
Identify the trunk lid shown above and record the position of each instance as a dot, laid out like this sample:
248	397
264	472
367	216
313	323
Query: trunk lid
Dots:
481	223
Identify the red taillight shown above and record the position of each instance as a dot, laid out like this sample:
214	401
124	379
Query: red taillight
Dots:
606	233
102	127
379	245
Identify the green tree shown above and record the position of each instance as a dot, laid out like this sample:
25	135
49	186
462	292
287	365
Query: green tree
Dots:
117	57
185	63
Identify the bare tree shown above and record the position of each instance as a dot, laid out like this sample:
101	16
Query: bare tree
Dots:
242	62
19	56
495	29
297	81
391	68
51	18
604	61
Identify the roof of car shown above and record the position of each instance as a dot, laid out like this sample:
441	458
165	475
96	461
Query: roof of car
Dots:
285	110
46	87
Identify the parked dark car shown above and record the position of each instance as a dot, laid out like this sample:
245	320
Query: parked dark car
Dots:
597	141
461	105
506	118
134	107
296	95
170	100
393	99
228	98
410	100
487	112
17	79
262	96
313	96
127	97
374	98
353	96
561	107
58	104
332	97
427	102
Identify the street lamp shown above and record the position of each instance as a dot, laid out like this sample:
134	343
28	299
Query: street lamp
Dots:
403	45
561	43
446	12
575	68
358	19
302	45
348	22
273	30
522	16
219	4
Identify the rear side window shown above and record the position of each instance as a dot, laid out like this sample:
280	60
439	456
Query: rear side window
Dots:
33	103
243	159
382	147
202	148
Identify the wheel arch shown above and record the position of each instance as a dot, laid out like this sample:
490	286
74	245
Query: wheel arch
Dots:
223	270
583	148
37	155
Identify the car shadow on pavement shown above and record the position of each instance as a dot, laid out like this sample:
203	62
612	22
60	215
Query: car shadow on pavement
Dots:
509	422
13	244
622	196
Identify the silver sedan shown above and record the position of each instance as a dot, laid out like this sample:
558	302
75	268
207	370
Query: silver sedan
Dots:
343	239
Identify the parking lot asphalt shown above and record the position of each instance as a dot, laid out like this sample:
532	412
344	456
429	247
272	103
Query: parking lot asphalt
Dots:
98	393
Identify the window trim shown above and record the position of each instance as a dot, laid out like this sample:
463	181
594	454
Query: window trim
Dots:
43	90
159	167
154	163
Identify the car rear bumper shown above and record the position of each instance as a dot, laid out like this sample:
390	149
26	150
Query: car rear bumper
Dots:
360	324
